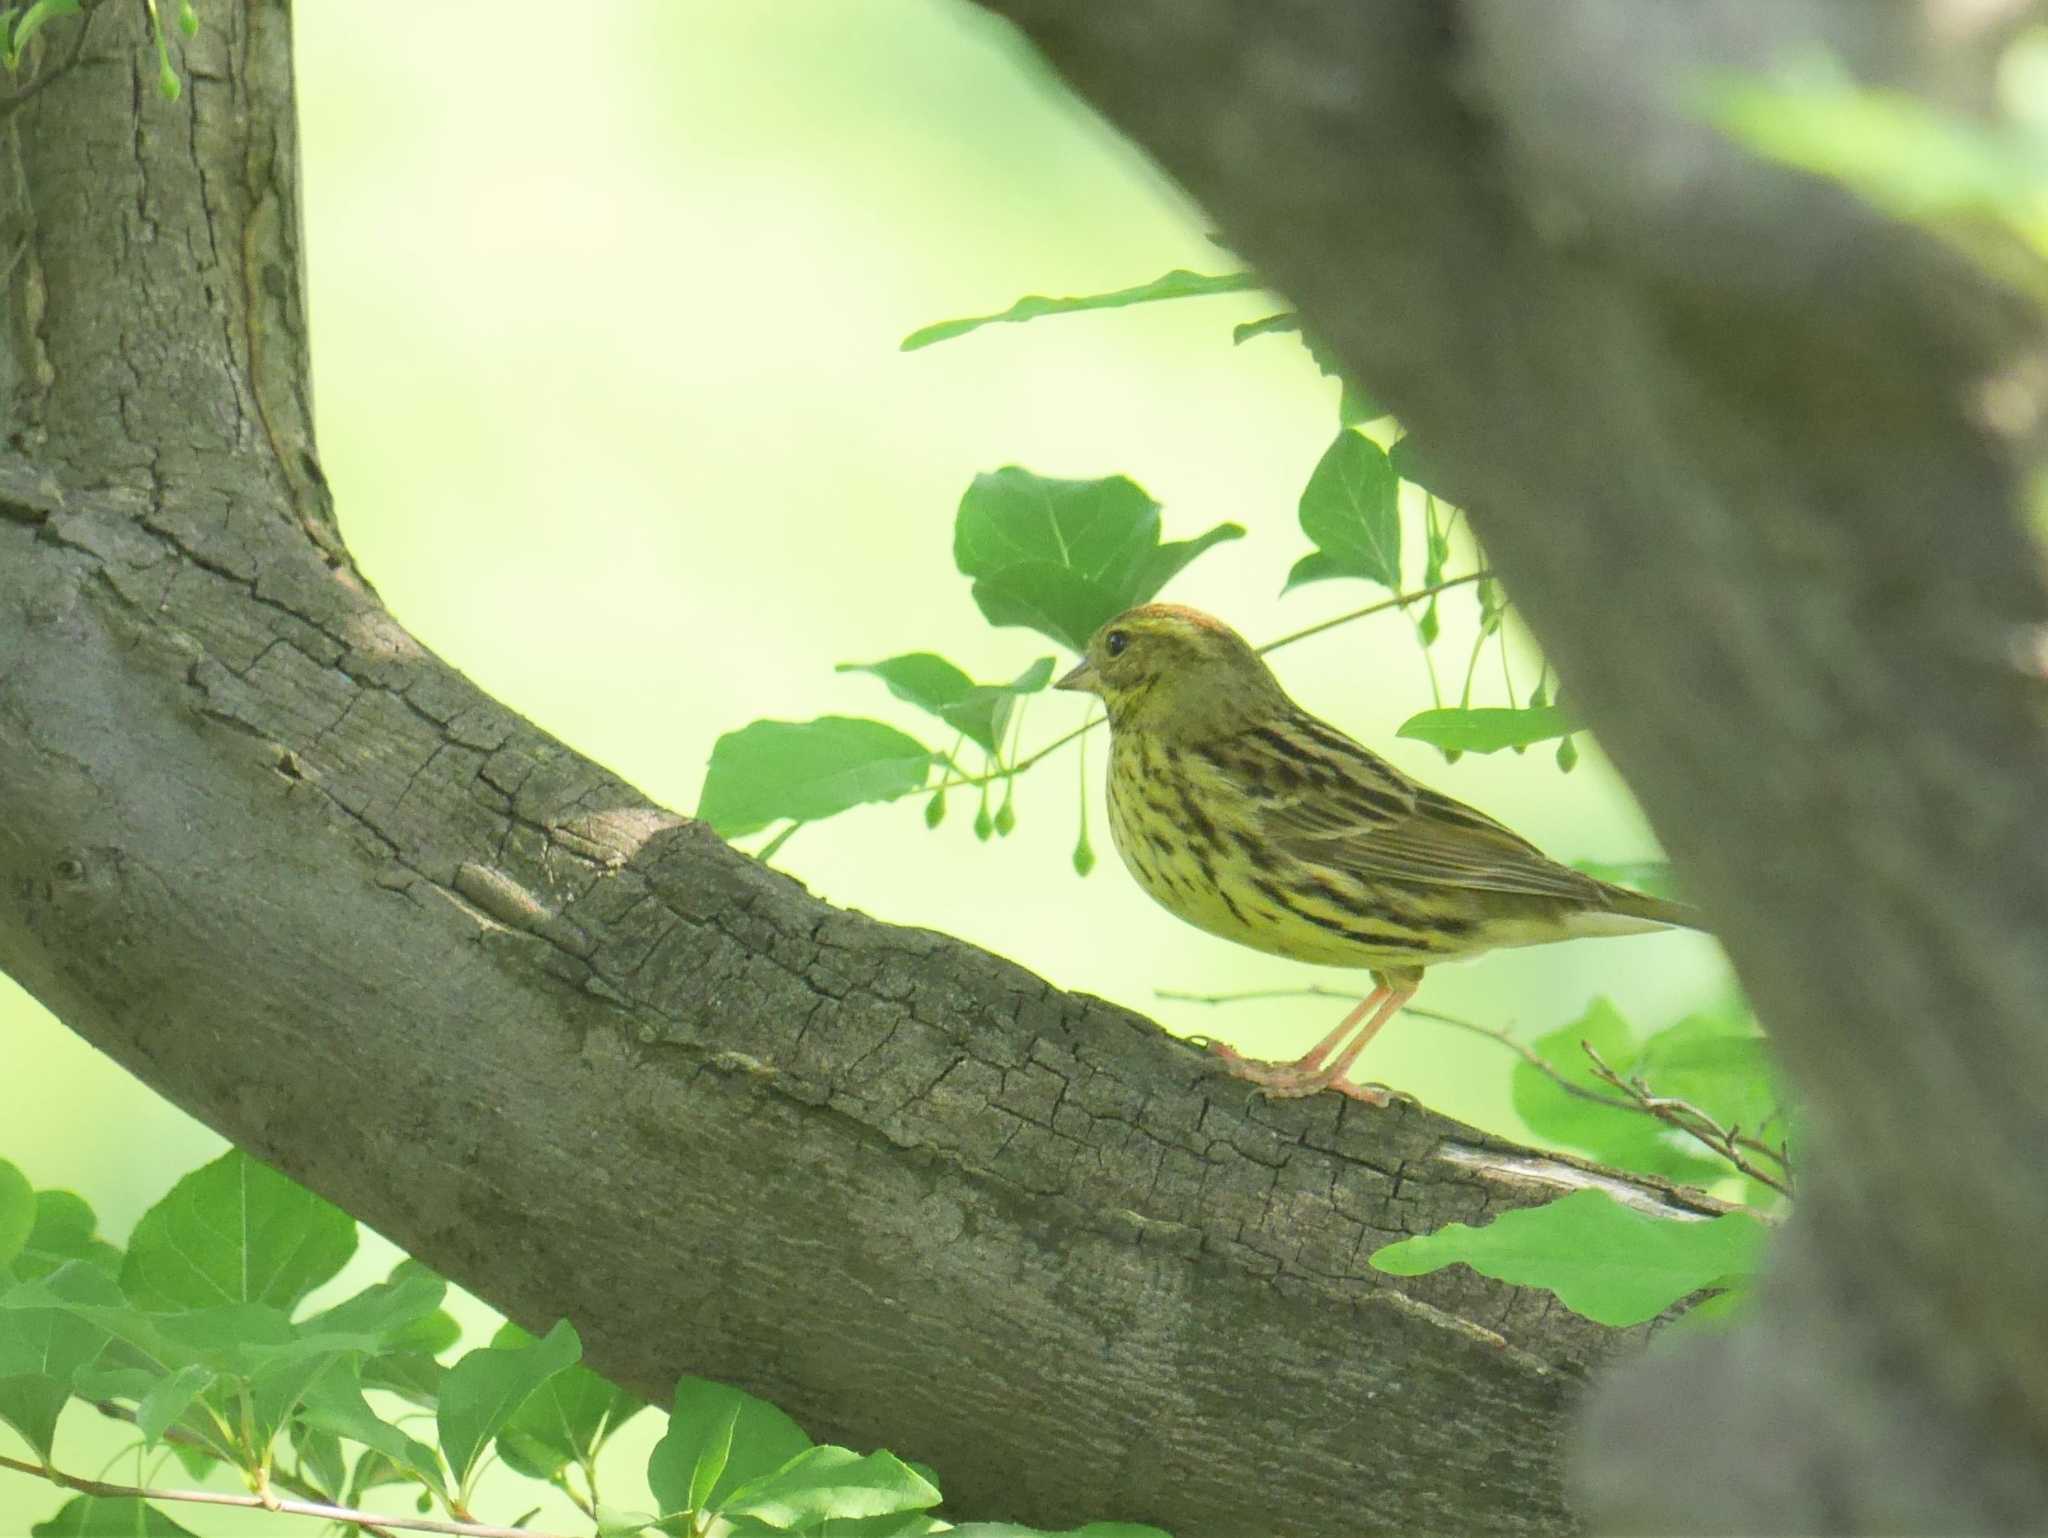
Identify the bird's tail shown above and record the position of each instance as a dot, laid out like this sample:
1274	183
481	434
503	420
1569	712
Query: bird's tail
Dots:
1639	910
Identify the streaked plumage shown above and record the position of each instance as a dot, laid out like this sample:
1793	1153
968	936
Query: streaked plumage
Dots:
1249	818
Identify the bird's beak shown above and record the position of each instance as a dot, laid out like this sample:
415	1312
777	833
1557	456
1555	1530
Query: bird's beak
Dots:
1082	679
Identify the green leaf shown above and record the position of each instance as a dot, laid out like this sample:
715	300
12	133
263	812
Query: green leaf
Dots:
235	1231
805	770
1351	509
719	1439
320	1459
899	1524
431	1335
64	1231
1061	557
486	1388
1606	1261
565	1421
109	1516
831	1482
43	1349
334	1404
1178	284
1486	729
17	1213
930	682
30	1403
1612	1134
387	1311
1355	408
162	1405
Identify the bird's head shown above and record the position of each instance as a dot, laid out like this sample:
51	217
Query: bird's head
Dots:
1165	668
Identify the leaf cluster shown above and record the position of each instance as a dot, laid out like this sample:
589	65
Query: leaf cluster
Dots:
199	1335
1061	557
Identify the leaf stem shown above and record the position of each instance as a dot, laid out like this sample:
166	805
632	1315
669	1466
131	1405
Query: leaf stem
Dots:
768	850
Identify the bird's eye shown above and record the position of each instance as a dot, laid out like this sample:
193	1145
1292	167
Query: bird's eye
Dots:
1115	642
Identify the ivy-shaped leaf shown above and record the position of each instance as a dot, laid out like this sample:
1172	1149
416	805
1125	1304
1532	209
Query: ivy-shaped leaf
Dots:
1178	284
806	770
1061	557
1351	510
1609	1262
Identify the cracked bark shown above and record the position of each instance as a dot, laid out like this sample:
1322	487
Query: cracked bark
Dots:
489	999
305	880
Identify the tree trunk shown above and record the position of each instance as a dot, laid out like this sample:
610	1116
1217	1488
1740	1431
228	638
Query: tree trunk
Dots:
305	880
1752	463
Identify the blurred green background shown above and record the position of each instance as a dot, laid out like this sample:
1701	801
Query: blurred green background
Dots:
605	318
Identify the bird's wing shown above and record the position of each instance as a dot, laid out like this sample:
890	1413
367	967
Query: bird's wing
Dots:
1322	797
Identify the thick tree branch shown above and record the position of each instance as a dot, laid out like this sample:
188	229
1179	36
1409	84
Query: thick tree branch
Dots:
1752	464
305	880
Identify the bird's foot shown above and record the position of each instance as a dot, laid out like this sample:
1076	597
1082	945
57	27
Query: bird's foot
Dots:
1293	1081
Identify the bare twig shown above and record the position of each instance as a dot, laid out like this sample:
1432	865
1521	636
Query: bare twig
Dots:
371	1520
278	1477
1727	1142
1695	1123
1398	601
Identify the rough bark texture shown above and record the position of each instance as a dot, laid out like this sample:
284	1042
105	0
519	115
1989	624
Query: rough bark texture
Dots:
1751	463
305	880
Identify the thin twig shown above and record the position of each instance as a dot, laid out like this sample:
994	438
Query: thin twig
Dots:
1695	1123
1727	1142
180	1435
321	1509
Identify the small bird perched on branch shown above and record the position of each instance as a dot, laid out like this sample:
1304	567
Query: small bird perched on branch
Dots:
1246	816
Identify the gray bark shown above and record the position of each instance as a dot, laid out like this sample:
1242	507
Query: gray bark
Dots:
1752	463
302	878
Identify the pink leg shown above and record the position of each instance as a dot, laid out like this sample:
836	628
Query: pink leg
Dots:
1309	1073
1334	1076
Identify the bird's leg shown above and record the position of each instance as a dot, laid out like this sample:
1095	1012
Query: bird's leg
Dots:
1333	1077
1308	1073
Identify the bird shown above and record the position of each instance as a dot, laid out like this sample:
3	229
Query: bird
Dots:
1240	812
